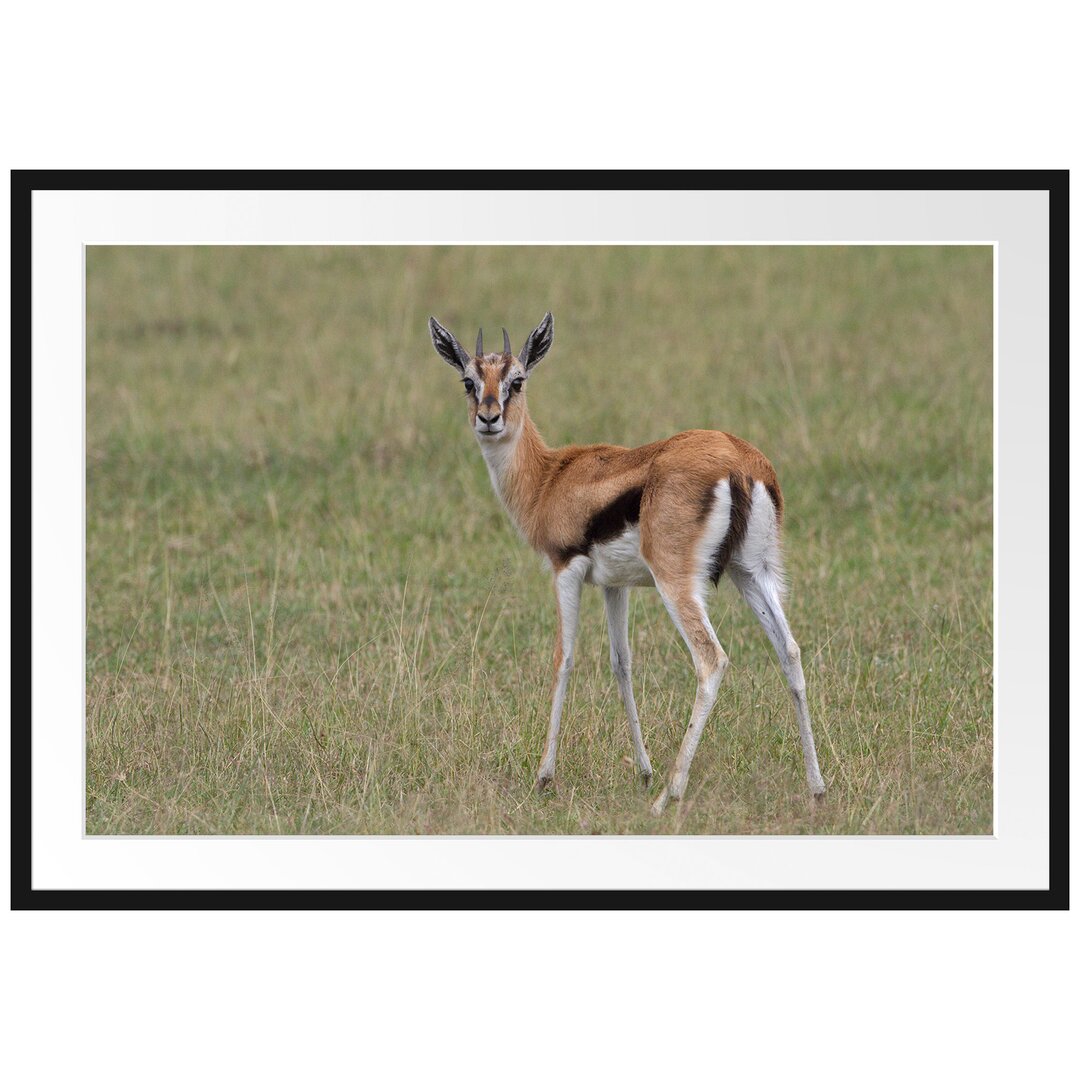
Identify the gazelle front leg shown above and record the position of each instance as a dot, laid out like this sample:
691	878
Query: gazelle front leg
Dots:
617	605
568	583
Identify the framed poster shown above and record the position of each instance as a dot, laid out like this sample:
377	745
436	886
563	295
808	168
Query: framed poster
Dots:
289	649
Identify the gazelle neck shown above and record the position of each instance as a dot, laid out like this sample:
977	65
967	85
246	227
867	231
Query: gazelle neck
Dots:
518	465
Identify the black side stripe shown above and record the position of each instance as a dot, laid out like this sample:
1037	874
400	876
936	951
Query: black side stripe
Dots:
777	501
607	523
740	486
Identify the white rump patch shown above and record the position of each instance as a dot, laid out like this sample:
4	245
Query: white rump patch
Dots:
716	527
759	554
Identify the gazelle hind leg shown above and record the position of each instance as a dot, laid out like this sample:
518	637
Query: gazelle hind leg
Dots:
687	611
617	606
763	592
568	583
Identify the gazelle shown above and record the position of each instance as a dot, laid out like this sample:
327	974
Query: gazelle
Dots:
674	514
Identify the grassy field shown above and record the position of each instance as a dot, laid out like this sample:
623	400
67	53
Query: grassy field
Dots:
287	626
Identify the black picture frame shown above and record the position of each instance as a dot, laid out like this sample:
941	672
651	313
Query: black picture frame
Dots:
24	183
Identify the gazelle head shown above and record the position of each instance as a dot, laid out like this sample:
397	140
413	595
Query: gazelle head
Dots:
494	382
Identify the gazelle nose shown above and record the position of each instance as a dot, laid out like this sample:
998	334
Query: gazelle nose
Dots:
489	420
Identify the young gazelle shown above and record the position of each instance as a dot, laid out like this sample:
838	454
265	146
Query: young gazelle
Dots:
675	514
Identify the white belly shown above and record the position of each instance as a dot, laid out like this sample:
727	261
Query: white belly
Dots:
618	562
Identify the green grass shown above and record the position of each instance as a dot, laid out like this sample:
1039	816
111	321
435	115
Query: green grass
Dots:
289	628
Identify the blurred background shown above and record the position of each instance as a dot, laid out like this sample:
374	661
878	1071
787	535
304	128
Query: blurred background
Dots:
289	628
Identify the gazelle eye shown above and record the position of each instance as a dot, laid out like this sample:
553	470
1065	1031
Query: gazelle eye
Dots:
468	385
517	384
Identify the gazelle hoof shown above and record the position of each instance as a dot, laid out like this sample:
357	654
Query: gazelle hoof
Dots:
543	783
657	807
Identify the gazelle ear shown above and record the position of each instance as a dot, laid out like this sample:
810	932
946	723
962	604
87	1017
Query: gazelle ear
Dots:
539	341
447	346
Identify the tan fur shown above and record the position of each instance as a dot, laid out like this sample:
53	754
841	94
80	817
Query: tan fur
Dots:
552	494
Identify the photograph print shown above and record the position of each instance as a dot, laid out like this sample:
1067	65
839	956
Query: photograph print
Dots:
544	539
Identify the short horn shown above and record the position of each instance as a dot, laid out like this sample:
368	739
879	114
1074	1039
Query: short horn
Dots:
506	343
480	342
